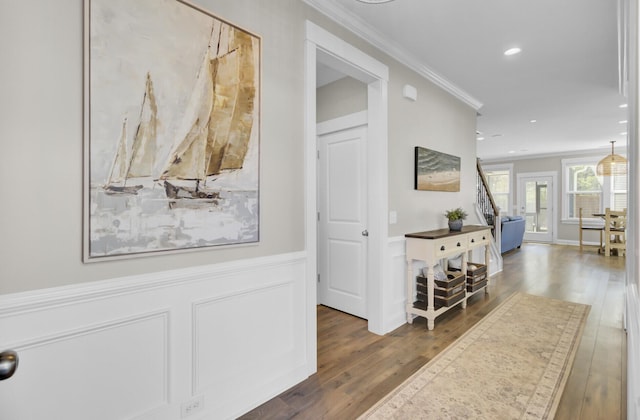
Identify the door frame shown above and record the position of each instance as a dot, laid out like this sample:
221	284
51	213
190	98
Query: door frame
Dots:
321	45
554	197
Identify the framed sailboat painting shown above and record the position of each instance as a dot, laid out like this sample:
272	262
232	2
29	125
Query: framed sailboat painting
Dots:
172	129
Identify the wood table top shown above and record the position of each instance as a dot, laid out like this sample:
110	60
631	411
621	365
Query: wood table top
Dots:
442	233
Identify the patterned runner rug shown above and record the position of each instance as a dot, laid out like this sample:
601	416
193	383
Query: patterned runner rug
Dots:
513	364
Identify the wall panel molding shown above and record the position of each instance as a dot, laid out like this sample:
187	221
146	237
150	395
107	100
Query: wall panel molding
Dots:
231	335
70	295
395	314
632	325
121	366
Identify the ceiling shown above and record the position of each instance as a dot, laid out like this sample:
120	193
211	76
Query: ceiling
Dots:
566	78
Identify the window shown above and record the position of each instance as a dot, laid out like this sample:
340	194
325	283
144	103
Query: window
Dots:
582	188
499	180
619	192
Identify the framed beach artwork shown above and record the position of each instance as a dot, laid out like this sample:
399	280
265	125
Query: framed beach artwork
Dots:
436	171
171	129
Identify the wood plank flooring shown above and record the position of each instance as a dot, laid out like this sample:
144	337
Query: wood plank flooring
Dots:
357	368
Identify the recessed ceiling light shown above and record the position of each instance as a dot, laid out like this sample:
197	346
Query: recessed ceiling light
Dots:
623	106
511	151
512	51
533	121
480	138
622	122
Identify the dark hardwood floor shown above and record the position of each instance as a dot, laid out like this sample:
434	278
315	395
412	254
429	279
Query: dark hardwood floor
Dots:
357	368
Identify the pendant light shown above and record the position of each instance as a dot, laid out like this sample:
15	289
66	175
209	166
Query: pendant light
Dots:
612	164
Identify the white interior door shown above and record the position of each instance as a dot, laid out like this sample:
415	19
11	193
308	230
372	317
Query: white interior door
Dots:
342	220
535	204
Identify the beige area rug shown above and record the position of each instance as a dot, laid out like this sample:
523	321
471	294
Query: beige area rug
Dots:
513	364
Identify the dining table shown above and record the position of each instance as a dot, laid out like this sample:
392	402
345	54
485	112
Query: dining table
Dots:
613	225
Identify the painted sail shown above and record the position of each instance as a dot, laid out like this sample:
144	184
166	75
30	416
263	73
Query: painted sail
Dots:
219	116
235	98
118	172
143	149
187	159
242	122
116	184
226	82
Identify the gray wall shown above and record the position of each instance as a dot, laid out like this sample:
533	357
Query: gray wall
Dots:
342	97
41	131
436	121
566	232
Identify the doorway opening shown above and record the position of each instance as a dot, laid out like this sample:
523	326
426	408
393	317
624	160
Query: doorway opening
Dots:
324	47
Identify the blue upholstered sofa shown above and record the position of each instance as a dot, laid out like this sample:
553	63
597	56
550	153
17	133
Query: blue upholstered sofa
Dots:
512	232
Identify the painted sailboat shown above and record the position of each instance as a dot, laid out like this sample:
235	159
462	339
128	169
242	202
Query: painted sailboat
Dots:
219	118
143	149
118	174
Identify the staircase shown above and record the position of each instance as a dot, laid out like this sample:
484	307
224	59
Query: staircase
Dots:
489	215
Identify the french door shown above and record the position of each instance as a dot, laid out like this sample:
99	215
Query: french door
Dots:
536	204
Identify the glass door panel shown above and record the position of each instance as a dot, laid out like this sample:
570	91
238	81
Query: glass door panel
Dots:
536	207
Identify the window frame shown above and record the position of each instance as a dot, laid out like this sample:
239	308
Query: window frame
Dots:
508	167
606	194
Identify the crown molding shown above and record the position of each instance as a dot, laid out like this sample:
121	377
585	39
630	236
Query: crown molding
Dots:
355	24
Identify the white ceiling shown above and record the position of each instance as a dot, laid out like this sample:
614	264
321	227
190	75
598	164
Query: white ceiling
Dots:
566	76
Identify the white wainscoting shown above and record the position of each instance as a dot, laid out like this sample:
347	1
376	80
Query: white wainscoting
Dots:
216	340
632	319
396	289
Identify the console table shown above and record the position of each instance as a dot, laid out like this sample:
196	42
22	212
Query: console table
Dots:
432	247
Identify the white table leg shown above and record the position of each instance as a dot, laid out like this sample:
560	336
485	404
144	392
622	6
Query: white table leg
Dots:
410	283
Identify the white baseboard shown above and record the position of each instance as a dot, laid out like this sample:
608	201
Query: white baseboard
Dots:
632	323
226	337
575	243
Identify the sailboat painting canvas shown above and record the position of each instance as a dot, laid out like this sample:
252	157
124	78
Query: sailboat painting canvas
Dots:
172	129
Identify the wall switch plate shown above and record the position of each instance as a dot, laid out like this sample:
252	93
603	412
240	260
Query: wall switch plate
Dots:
191	407
393	217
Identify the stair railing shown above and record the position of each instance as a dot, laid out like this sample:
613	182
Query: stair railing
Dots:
490	213
485	200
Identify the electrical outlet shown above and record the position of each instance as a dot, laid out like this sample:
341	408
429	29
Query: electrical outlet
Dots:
191	407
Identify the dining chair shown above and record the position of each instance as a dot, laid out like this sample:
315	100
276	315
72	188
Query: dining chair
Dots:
615	225
600	229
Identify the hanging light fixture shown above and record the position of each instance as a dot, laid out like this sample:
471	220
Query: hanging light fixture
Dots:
612	164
